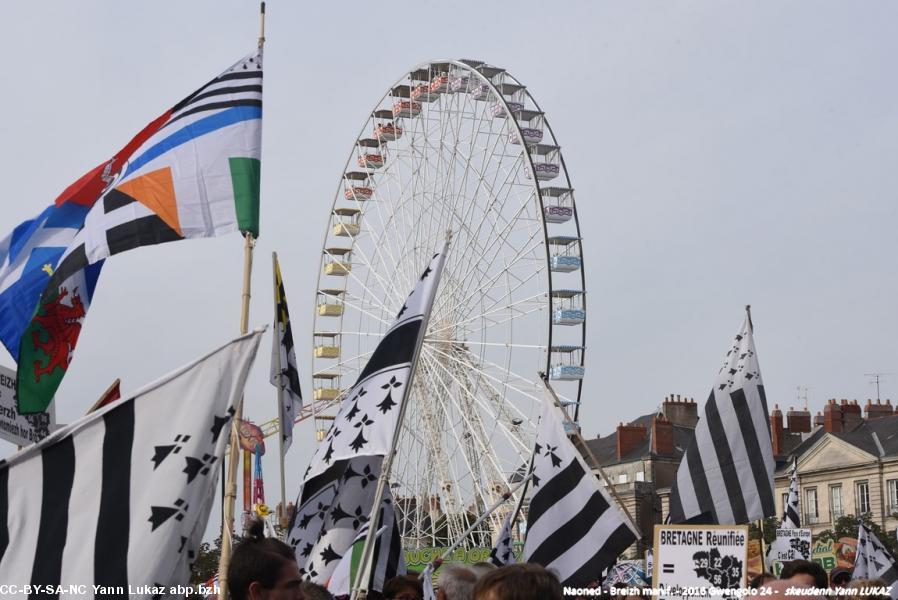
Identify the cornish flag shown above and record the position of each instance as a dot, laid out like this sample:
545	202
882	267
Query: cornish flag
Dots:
338	485
726	475
193	172
502	553
873	560
122	496
791	518
573	527
284	373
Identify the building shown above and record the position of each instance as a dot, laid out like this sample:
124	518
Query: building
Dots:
847	465
847	461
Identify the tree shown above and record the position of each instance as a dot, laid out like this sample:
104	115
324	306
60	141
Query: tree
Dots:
848	525
206	565
770	524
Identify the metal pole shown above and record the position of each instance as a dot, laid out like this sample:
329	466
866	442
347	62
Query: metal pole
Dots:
360	586
592	457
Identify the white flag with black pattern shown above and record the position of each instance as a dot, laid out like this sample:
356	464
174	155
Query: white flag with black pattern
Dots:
502	553
122	495
726	475
791	518
873	560
339	484
573	526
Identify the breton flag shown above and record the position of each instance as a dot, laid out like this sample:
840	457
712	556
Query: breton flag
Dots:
284	374
193	172
791	518
122	495
873	560
387	564
502	553
338	486
573	527
726	475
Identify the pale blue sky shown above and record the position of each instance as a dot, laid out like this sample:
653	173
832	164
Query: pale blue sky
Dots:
723	153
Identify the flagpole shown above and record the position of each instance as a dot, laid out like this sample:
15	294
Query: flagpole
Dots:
510	493
227	525
280	391
592	457
360	586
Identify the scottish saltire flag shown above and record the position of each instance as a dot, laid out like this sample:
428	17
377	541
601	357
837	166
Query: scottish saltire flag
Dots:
192	172
388	561
791	518
122	496
573	526
873	560
502	553
337	495
726	475
284	374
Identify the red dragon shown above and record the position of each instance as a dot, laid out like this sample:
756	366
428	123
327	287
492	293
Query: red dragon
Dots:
63	324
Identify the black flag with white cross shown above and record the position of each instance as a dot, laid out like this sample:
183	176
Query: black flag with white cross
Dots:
573	527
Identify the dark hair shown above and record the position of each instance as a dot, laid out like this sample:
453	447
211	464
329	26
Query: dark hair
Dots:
759	580
401	583
524	581
313	591
256	558
805	567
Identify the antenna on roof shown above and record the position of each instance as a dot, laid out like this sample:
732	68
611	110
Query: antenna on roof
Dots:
874	379
802	395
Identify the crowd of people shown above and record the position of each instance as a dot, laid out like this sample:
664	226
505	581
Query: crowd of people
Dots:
265	569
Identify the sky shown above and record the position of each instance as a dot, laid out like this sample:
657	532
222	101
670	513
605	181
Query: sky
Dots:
724	153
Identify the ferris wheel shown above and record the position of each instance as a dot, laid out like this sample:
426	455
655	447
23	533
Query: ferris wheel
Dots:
455	146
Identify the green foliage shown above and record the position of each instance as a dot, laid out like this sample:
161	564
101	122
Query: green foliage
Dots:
770	525
848	525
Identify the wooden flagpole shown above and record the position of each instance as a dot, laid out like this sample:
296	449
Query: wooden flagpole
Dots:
280	391
227	525
593	458
360	585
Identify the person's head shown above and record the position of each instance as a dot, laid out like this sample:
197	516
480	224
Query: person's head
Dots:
760	579
404	587
455	583
313	591
805	572
263	568
524	581
859	584
482	568
839	577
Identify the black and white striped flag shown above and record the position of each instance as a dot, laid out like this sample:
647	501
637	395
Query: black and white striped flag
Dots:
791	518
873	560
338	486
502	553
726	475
573	526
122	496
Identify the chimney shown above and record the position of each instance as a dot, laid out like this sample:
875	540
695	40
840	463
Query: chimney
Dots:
799	421
818	419
776	429
683	413
662	436
851	415
832	417
878	410
628	438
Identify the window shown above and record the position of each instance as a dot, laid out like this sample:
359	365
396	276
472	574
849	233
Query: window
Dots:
640	475
835	501
622	478
893	495
862	497
810	505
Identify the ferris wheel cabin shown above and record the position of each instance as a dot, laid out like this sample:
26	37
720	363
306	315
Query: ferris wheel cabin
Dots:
558	204
568	307
356	186
566	363
326	386
347	222
330	303
532	123
337	261
371	154
565	252
385	129
327	344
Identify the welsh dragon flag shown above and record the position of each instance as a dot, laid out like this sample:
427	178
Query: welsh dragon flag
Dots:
195	173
